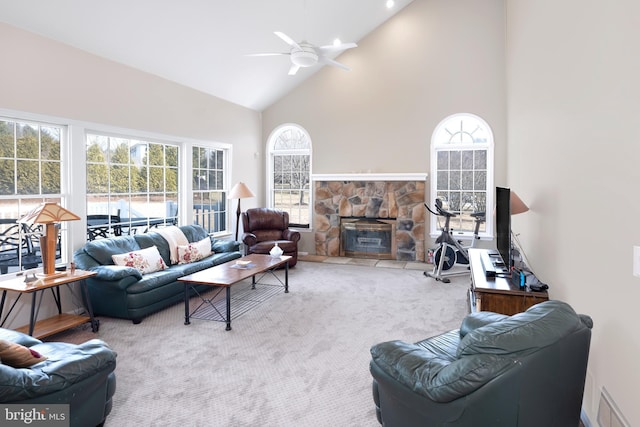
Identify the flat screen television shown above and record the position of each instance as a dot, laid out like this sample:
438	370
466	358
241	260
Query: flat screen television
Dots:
503	225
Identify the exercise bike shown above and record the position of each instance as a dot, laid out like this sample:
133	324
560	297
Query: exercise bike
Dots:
451	251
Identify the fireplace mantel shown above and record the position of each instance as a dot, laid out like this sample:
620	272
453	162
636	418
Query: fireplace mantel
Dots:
369	177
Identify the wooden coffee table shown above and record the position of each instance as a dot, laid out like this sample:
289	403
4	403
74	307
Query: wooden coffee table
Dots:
228	274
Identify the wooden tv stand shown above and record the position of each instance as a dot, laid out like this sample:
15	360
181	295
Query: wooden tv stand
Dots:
497	294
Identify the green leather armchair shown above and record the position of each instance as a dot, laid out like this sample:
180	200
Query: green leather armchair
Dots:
81	376
525	370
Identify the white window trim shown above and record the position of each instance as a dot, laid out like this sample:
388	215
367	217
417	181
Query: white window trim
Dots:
65	172
75	177
269	169
434	230
188	203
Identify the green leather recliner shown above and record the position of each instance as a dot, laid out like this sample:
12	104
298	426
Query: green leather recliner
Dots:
81	376
525	370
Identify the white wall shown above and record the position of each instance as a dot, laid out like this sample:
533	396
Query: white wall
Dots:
434	58
561	101
45	79
573	101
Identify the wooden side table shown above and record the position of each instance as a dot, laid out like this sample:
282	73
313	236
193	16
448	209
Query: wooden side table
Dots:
497	294
55	324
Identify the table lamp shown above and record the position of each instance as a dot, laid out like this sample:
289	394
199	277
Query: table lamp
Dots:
240	191
517	206
48	214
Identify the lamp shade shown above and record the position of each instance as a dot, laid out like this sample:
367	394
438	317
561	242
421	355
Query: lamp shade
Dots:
240	191
516	204
48	213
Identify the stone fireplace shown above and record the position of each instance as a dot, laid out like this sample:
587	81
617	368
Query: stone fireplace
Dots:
374	201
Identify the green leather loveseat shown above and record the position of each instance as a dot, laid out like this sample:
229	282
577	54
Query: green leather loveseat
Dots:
123	292
79	375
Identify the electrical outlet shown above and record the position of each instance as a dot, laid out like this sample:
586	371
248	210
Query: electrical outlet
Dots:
636	261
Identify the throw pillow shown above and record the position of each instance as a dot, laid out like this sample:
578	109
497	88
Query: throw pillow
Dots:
145	260
18	356
194	251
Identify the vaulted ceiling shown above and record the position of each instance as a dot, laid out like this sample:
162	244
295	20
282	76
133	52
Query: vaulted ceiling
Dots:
204	44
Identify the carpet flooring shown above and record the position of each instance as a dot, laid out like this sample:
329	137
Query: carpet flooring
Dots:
296	359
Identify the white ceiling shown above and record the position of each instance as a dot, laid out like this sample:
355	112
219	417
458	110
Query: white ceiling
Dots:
203	44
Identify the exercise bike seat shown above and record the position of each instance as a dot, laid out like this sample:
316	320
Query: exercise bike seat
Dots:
477	215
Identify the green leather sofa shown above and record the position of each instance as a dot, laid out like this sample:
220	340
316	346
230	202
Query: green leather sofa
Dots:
81	376
525	370
118	291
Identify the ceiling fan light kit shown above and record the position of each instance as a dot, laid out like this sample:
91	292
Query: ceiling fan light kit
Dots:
305	54
305	57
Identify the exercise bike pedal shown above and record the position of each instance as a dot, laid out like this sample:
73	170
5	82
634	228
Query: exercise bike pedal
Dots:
439	279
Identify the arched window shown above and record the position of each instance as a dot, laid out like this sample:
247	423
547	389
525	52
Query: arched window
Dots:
289	173
462	171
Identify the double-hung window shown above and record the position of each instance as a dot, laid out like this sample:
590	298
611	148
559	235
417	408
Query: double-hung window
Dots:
132	184
289	173
208	183
462	172
31	162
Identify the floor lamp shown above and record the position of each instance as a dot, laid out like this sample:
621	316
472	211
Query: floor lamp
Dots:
240	191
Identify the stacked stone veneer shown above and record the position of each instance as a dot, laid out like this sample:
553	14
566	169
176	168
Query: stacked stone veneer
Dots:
399	200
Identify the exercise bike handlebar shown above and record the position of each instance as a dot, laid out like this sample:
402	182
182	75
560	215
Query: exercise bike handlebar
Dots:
478	216
441	211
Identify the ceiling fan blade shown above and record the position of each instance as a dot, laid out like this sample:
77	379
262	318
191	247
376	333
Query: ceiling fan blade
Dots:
333	63
267	54
288	40
294	69
339	48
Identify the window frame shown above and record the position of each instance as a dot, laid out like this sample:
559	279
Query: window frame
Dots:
272	152
128	196
26	202
223	191
185	167
73	179
437	146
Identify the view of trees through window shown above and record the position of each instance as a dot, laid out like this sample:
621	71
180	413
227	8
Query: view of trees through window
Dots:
29	159
131	183
461	147
30	165
291	174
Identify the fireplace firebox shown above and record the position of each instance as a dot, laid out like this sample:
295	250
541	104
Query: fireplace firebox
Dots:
367	238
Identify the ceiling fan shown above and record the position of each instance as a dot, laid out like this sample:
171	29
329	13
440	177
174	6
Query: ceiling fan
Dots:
305	54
